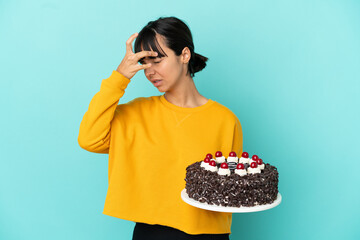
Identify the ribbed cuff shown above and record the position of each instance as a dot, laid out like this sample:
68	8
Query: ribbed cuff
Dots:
116	81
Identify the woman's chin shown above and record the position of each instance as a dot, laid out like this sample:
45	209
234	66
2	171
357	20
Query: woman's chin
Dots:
161	89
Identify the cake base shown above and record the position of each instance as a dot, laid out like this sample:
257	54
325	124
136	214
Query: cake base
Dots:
241	209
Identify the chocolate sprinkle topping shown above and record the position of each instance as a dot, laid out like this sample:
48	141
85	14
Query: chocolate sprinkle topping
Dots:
234	190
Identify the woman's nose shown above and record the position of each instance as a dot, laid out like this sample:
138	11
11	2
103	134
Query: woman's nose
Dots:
149	71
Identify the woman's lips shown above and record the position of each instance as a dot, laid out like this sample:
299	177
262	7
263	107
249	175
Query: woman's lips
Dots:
157	83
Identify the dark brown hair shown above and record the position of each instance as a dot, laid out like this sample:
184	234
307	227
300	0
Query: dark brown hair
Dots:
177	36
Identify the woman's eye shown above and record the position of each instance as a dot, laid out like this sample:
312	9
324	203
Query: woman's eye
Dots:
142	63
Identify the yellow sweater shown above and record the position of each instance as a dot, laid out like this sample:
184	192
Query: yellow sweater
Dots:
150	142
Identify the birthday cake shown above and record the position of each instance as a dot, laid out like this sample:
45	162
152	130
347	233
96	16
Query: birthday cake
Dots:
232	181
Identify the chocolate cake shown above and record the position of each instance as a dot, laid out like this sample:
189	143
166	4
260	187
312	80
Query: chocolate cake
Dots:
232	182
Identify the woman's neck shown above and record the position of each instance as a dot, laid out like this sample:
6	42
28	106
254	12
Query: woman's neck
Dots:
185	95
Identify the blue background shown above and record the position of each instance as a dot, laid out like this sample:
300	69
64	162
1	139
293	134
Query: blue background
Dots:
288	69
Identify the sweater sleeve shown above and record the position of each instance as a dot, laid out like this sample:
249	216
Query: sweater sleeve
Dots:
237	138
94	133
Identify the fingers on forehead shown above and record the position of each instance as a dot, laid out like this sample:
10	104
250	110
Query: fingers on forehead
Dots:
147	58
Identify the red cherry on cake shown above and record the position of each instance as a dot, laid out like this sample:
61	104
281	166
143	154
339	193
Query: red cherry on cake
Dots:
259	161
240	166
206	160
232	154
209	155
218	154
255	157
224	165
245	155
253	165
212	163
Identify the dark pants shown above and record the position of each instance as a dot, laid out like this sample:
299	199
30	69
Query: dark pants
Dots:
143	231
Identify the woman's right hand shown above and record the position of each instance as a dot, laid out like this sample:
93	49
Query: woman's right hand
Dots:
129	65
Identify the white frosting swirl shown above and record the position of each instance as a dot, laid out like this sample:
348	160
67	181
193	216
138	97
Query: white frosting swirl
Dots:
220	159
253	170
261	166
244	160
241	172
203	164
224	171
232	159
212	168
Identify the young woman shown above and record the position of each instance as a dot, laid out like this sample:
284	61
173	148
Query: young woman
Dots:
151	140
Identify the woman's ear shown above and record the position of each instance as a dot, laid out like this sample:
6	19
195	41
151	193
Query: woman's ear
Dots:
186	55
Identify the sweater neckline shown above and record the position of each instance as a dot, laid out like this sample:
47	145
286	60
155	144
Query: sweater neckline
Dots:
184	109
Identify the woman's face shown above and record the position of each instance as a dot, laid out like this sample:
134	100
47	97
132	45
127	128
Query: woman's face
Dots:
169	69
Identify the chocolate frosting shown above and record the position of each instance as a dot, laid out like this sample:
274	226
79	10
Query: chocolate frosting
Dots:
234	190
